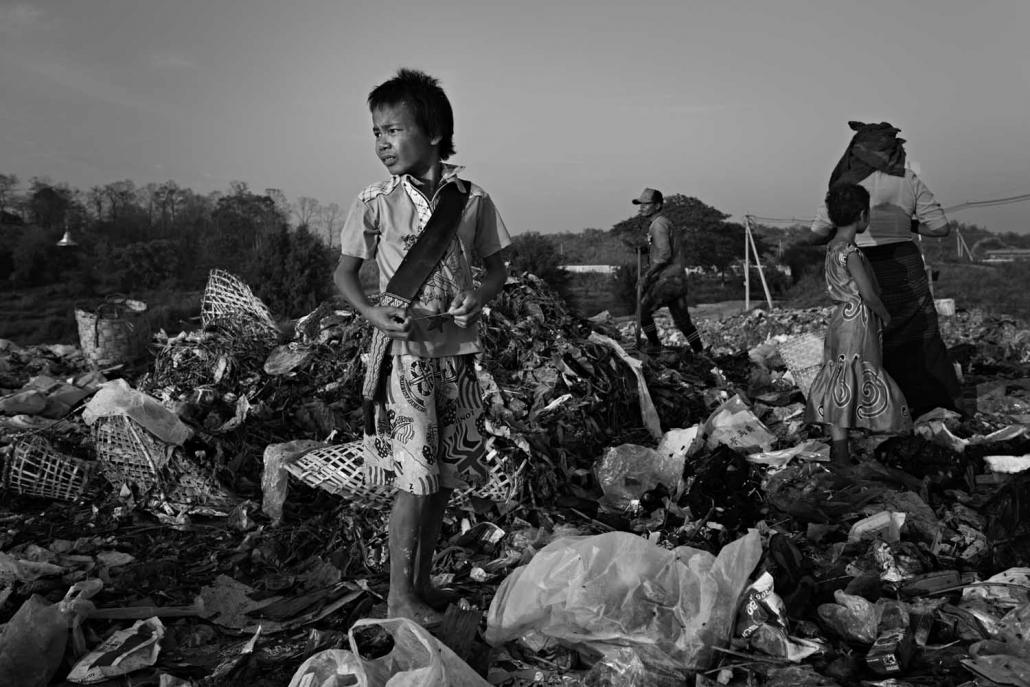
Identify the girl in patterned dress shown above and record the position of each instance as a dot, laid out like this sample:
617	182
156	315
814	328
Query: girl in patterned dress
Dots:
852	390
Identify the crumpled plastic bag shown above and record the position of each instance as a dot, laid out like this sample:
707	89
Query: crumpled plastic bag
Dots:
734	424
275	478
1012	589
418	659
762	620
33	641
648	413
617	590
852	617
124	652
287	358
626	471
118	398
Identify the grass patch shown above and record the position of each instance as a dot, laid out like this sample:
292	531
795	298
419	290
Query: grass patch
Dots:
997	289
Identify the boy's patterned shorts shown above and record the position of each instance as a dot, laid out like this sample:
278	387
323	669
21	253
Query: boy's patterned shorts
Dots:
430	430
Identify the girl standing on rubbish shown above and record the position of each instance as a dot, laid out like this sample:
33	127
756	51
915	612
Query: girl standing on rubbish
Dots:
902	209
852	390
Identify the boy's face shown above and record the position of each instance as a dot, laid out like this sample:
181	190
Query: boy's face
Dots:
401	144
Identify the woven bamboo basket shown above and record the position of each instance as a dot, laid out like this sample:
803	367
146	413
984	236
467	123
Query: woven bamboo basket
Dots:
229	302
803	355
116	332
36	468
128	453
338	470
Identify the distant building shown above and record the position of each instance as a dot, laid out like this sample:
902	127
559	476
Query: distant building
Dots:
611	269
591	269
1007	255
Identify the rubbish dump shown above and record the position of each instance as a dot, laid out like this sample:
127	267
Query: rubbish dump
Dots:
652	519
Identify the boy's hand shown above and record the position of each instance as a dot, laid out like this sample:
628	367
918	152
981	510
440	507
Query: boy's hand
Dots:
392	321
466	308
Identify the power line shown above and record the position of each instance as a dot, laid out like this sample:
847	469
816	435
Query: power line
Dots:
778	220
1022	198
989	203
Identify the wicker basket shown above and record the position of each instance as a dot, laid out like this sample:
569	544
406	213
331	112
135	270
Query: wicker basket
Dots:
338	470
803	355
116	332
229	302
128	453
36	468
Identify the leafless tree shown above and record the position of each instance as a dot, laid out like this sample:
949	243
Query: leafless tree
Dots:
332	219
282	204
305	210
95	200
120	195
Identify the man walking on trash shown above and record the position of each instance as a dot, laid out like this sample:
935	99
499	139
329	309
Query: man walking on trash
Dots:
665	281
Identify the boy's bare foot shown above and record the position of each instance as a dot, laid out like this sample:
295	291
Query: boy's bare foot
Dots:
436	598
412	608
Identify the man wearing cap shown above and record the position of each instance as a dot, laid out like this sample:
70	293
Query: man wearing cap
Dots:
665	281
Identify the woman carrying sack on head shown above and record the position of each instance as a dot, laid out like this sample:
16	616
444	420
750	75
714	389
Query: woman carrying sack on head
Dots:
901	207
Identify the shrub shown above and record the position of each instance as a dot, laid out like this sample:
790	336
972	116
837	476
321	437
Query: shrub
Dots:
140	265
534	253
292	272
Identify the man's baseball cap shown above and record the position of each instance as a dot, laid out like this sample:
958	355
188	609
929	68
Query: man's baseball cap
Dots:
648	195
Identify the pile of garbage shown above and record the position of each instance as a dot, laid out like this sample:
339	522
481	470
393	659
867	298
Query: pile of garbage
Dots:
652	518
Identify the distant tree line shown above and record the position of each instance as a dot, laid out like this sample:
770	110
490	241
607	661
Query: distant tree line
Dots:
163	236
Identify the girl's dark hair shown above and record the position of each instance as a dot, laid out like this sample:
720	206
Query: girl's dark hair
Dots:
423	94
845	203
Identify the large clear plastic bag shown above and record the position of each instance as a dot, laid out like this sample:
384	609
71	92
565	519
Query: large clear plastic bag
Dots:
418	659
626	471
617	590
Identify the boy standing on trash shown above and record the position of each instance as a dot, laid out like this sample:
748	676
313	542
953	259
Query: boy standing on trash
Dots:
423	406
665	282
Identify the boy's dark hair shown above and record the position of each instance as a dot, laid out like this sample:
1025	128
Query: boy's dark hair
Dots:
428	102
845	203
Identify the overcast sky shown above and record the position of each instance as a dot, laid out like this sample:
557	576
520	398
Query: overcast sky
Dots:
564	110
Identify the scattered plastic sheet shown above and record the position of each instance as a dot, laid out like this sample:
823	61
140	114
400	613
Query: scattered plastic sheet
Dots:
811	449
734	424
617	590
118	398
